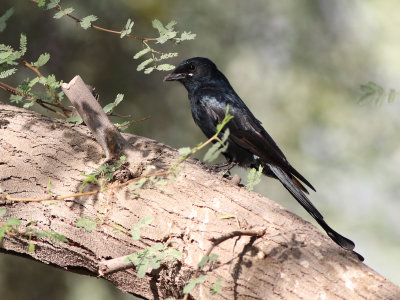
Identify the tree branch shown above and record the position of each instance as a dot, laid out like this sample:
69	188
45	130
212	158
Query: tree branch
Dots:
293	259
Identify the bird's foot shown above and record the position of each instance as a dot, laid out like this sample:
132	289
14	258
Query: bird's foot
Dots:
222	168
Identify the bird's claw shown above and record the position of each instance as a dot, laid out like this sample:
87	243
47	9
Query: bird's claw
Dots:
222	168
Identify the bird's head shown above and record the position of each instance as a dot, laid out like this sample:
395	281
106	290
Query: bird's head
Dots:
194	72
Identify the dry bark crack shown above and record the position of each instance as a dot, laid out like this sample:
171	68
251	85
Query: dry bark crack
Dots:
292	260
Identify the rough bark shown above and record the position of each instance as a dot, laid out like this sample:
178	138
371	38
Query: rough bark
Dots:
292	260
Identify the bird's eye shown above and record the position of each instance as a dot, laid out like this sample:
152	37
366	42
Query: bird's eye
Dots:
192	67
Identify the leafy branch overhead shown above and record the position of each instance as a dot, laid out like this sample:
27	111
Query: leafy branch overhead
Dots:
45	90
373	92
166	33
151	55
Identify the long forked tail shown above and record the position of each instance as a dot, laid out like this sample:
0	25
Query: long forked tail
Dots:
295	191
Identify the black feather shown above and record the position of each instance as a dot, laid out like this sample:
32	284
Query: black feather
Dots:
209	93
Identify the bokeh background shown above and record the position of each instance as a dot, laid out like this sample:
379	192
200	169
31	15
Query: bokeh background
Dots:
297	64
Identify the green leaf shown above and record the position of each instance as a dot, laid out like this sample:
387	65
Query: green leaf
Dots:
141	53
165	67
214	152
119	228
110	106
60	94
63	12
86	223
184	151
213	257
33	81
158	25
192	283
28	104
89	178
135	232
254	178
139	184
13	222
144	64
189	287
142	269
3	212
154	264
391	96
57	237
49	187
175	254
3	230
171	25
149	70
203	261
52	82
31	247
168	55
185	36
16	98
225	136
128	28
145	221
366	98
168	35
122	126
4	55
42	60
86	22
7	73
41	3
5	17
52	4
75	119
217	287
22	44
226	119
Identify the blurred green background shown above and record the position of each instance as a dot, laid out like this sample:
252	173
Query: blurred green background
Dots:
297	64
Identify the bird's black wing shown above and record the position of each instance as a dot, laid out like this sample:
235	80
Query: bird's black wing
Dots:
245	130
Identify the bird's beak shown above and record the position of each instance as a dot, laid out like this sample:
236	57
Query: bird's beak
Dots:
174	76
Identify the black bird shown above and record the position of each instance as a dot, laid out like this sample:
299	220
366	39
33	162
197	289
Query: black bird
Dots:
249	144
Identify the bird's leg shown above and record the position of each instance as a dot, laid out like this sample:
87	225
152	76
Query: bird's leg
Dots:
223	168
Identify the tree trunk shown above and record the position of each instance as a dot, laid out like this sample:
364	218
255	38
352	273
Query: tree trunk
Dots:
291	260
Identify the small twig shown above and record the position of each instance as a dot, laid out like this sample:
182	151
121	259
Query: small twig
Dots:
216	241
39	101
29	66
75	195
133	122
114	265
194	150
36	70
77	20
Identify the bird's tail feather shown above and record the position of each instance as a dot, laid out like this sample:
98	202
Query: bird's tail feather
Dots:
299	176
305	202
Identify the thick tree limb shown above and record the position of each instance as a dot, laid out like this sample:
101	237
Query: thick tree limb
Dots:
106	134
292	260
